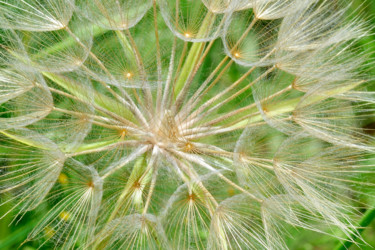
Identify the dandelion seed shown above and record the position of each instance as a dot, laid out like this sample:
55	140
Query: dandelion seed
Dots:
35	15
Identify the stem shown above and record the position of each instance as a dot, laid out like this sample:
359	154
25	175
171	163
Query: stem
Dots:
200	93
166	91
129	101
115	118
239	188
140	175
18	235
83	93
366	220
97	31
151	190
138	167
100	243
247	108
24	140
141	68
211	203
104	147
184	91
190	62
281	108
196	115
78	114
192	57
123	161
158	58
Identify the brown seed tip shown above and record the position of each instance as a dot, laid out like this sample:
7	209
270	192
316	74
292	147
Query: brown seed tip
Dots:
90	184
189	147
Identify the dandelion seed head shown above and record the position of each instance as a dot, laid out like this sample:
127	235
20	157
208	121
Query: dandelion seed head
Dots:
207	124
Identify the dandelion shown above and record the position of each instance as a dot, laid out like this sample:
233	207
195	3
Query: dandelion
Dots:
176	124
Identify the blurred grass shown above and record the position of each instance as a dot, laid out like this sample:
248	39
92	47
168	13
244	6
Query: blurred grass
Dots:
14	233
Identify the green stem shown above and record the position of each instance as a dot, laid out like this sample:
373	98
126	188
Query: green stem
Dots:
126	46
188	67
193	56
69	42
280	108
24	140
137	173
367	218
95	145
289	105
83	93
17	236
